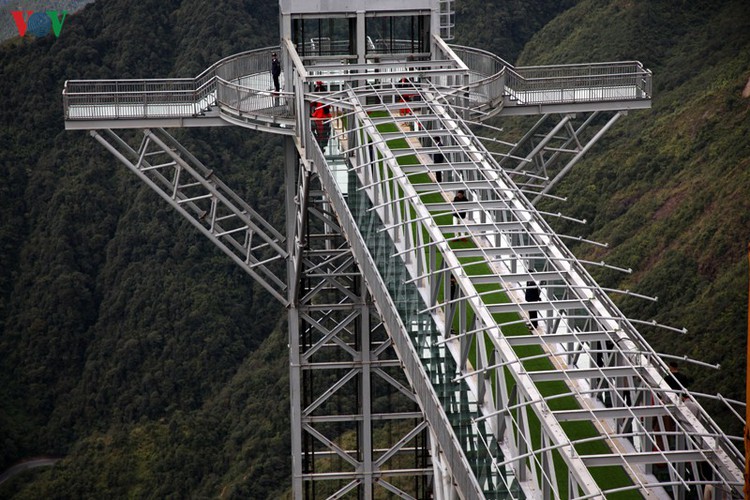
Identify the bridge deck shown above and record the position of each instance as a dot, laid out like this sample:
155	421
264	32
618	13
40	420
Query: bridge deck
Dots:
587	379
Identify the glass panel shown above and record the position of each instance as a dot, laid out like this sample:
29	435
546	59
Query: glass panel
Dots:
324	36
397	34
460	406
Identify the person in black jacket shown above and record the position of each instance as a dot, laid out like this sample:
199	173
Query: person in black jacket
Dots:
532	294
460	215
438	159
275	71
676	379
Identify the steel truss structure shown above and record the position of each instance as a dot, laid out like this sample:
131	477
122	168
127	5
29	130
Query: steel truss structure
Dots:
536	372
551	147
440	347
196	192
357	428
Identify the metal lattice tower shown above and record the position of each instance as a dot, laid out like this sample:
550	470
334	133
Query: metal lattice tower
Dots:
440	347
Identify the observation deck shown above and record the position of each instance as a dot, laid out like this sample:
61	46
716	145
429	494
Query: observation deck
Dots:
238	90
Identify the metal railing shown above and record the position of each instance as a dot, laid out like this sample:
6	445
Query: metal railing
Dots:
486	84
581	82
492	78
240	81
241	84
394	46
153	98
244	85
323	46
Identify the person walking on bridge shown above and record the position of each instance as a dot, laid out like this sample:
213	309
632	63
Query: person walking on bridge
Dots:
438	159
460	215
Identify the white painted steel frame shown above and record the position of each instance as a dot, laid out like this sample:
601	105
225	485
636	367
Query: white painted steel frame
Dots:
197	193
630	367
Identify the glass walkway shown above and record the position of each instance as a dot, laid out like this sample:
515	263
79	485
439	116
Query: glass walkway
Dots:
532	382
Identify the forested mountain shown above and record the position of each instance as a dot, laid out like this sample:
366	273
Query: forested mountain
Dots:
136	351
130	345
669	188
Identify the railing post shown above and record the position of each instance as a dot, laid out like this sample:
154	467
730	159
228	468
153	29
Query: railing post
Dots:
65	100
145	101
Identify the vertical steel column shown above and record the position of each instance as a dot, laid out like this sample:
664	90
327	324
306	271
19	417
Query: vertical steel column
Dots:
295	388
361	38
365	394
356	426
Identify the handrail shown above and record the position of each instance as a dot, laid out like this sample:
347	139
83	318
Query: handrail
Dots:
486	69
490	83
203	75
240	100
156	97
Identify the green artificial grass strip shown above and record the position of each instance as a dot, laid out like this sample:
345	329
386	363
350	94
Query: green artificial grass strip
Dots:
605	477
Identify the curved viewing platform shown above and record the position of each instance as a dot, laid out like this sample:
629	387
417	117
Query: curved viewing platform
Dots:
497	87
238	90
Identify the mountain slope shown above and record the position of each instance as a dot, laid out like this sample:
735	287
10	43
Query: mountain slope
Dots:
121	329
135	350
669	188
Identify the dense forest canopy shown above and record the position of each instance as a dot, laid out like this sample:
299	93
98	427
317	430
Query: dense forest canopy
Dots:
135	350
669	188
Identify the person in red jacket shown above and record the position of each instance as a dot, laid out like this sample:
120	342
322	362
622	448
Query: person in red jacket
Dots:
321	119
404	97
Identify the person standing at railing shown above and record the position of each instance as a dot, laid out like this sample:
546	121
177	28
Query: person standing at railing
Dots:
275	72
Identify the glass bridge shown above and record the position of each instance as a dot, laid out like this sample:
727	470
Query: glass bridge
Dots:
514	373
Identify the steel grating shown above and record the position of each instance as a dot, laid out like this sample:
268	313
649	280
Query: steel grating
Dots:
616	382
